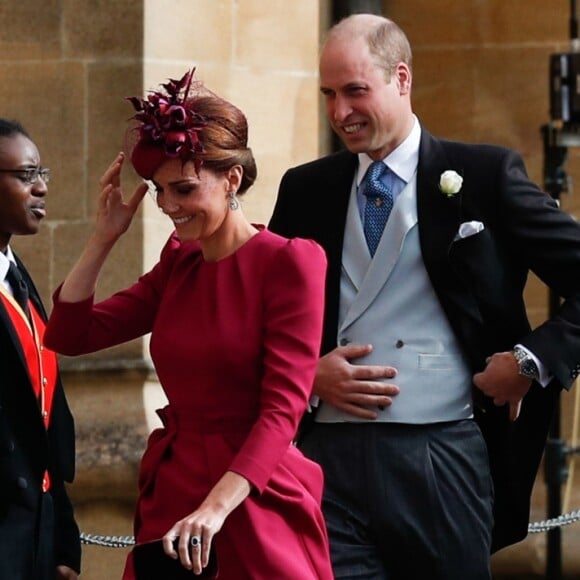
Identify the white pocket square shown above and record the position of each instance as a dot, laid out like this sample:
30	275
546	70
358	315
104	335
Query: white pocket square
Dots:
467	229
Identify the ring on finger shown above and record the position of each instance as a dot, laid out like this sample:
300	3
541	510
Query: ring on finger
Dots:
195	542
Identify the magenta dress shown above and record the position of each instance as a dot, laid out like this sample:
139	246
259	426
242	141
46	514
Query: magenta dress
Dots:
235	344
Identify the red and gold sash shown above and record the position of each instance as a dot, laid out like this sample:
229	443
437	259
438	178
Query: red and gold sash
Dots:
41	362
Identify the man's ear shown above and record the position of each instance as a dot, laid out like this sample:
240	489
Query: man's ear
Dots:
403	78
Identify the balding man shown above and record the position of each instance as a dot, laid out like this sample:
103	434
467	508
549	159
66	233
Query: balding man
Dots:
433	394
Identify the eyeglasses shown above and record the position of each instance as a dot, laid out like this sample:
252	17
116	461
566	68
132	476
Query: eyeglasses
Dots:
31	175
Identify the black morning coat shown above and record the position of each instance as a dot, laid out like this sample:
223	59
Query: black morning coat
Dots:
27	449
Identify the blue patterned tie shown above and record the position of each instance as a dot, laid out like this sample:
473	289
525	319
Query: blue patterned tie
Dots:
378	206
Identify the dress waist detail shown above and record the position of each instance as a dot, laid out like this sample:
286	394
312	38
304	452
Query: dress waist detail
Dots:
187	421
175	421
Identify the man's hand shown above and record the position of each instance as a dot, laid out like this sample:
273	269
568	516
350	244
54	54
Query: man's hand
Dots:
501	381
65	573
354	389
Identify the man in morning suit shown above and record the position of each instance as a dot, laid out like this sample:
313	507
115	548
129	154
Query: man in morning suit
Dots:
39	538
433	394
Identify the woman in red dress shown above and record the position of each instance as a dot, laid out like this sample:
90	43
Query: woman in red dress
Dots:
235	315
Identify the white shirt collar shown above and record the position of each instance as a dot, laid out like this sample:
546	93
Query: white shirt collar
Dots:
402	161
5	260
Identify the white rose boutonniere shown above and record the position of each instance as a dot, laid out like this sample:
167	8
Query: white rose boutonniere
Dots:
450	182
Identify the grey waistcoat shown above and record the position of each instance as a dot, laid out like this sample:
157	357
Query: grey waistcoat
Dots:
388	301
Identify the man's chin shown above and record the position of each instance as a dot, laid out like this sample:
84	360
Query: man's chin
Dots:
30	230
353	145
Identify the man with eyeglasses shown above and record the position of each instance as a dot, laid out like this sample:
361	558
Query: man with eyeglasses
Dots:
39	538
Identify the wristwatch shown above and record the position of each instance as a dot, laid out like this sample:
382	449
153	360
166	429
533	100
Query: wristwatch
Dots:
527	366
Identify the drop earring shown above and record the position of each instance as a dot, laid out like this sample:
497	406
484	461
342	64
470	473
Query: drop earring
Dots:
233	203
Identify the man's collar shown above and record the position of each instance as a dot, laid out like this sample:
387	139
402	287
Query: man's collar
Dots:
5	259
402	161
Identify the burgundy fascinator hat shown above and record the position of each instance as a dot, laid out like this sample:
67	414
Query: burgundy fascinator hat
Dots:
166	127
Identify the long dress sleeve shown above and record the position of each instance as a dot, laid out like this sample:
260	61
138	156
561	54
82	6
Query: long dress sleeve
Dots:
293	295
76	328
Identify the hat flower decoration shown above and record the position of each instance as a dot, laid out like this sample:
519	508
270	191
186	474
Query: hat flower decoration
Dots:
168	127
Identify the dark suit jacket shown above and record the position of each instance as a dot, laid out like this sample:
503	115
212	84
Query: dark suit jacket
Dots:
26	450
479	282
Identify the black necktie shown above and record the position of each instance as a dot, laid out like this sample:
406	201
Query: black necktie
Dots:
19	287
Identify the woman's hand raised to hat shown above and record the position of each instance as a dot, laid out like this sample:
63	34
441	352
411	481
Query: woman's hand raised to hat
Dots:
114	214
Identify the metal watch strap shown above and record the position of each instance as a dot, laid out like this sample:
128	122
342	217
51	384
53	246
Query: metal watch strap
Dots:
527	366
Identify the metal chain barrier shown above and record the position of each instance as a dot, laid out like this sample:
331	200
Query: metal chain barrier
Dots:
562	520
107	541
128	541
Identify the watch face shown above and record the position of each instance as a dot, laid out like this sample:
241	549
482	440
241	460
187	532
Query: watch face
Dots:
529	369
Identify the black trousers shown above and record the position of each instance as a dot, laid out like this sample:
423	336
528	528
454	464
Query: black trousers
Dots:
405	501
44	566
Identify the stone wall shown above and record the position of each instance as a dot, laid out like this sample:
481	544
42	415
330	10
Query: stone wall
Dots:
480	74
